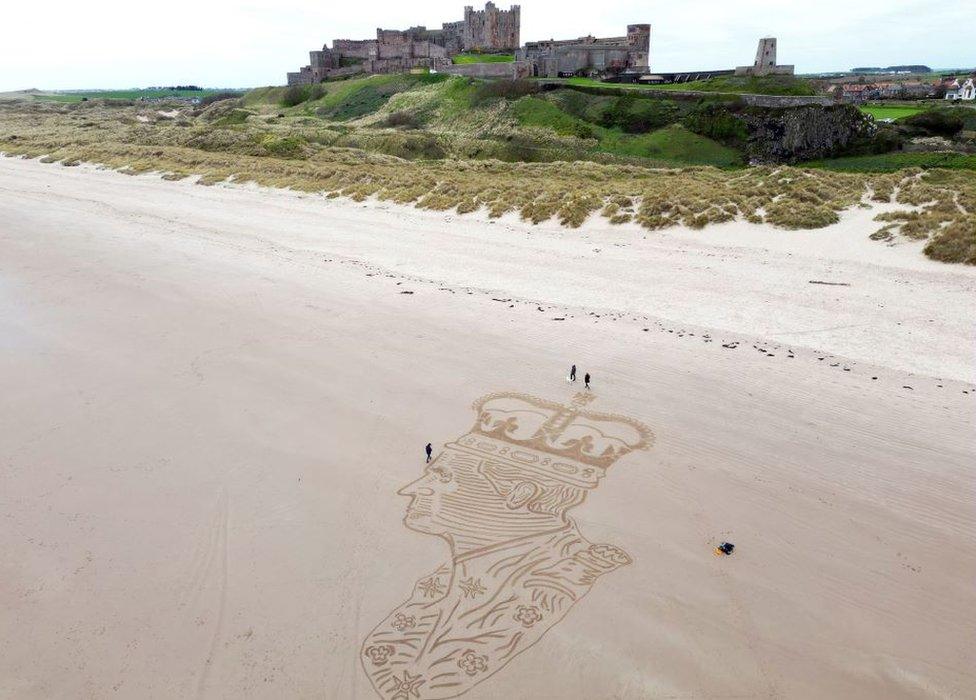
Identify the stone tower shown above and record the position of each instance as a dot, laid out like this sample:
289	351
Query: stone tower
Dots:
491	29
639	42
765	55
765	63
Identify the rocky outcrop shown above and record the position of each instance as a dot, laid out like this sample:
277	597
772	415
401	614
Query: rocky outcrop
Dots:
805	133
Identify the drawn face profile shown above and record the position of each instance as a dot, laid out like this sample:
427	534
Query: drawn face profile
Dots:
458	496
500	497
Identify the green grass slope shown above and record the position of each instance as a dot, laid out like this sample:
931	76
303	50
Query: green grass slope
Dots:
671	145
464	58
735	85
890	111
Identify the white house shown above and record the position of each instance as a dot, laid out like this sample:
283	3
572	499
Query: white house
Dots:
966	92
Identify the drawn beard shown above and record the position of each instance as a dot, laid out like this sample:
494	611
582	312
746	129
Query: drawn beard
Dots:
418	513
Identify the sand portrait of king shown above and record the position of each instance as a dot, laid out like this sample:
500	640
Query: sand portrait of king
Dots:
500	497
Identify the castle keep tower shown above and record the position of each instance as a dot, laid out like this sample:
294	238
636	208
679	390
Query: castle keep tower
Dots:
491	29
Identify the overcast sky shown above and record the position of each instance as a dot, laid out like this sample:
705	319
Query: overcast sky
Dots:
242	43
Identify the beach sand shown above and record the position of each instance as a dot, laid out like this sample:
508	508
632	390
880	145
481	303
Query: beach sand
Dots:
211	396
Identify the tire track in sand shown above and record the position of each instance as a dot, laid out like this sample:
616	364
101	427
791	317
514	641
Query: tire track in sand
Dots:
218	554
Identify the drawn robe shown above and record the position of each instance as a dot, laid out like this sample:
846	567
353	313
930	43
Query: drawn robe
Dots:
467	620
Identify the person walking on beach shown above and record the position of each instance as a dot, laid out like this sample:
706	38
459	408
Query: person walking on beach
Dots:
572	373
586	380
428	449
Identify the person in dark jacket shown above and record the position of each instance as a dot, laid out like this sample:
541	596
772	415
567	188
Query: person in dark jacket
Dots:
572	373
586	380
429	450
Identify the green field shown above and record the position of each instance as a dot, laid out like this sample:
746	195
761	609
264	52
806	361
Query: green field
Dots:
133	94
483	58
890	112
772	85
891	162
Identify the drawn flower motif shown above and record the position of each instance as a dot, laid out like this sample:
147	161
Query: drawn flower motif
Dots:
379	653
407	687
402	622
528	615
431	587
472	587
609	553
471	663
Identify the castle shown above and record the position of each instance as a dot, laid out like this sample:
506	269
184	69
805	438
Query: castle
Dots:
490	30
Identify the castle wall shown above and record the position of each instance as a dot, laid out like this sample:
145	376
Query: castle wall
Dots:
512	71
354	48
452	37
303	76
410	49
591	54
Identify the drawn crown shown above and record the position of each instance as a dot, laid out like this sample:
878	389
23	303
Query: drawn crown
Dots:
563	441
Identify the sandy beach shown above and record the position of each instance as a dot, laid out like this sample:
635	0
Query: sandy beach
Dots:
211	396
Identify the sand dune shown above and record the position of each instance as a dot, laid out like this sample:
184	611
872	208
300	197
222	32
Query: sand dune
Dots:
213	394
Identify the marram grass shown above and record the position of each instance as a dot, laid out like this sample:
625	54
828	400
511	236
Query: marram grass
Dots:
305	155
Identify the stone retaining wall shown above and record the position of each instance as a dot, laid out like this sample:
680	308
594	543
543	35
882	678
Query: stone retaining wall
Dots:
510	71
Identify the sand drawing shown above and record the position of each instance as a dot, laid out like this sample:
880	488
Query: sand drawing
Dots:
500	497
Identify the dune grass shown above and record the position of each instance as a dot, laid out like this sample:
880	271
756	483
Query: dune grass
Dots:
435	169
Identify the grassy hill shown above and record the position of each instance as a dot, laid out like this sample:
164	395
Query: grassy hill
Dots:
435	116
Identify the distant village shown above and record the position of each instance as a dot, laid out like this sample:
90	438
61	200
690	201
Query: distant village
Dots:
869	85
